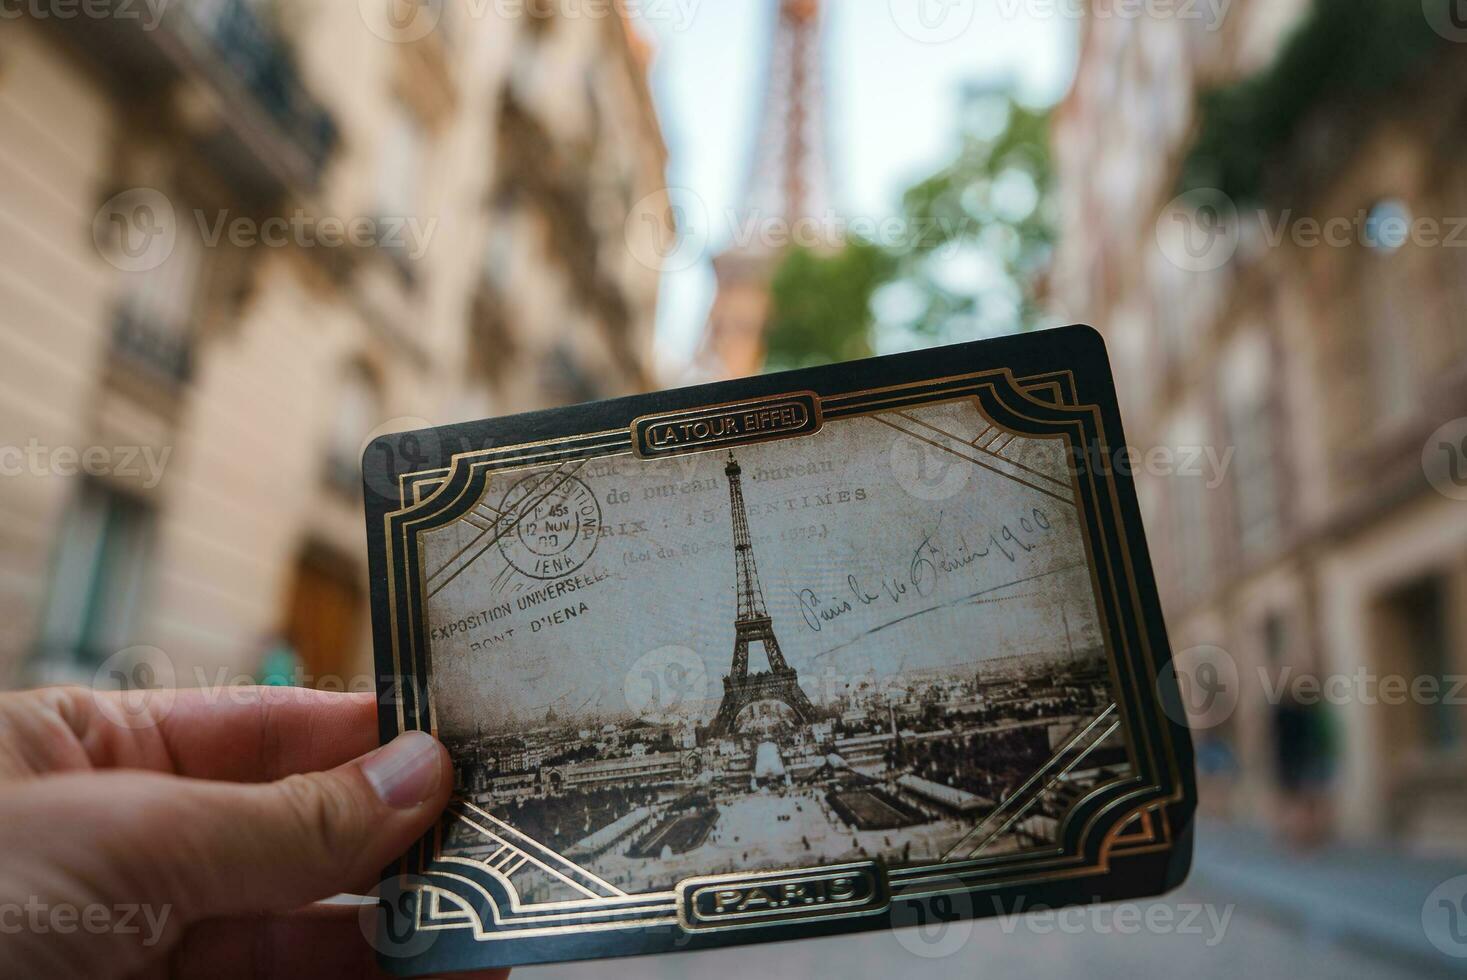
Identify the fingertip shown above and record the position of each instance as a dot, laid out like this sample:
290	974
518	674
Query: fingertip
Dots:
410	771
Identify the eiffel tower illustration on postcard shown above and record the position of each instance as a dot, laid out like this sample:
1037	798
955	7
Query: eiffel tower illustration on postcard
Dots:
753	625
688	743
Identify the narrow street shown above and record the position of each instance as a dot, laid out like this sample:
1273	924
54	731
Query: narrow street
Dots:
1250	908
1095	944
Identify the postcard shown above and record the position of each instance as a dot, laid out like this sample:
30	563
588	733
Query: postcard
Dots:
832	650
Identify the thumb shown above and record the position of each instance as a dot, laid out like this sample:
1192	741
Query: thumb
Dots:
231	848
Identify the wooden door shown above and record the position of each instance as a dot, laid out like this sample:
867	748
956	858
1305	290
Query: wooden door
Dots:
324	619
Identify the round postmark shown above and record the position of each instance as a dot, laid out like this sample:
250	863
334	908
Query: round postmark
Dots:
552	523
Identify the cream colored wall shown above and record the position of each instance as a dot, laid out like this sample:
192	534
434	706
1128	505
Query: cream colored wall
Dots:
576	48
243	492
249	493
246	474
59	128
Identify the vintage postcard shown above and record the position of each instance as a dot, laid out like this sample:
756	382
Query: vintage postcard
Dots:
788	656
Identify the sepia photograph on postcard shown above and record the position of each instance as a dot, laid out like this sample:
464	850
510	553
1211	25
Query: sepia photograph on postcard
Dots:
875	642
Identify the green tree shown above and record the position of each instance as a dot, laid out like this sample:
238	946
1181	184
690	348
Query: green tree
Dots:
1346	59
977	238
981	229
821	304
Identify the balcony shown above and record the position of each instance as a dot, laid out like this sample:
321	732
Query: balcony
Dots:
234	81
252	67
555	180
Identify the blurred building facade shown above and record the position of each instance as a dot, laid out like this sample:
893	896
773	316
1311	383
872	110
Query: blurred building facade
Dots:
1315	373
326	226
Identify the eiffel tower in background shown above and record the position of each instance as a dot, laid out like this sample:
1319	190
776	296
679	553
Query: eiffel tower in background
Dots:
779	683
786	183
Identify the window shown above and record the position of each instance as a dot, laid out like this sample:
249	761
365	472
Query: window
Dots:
1194	544
1276	641
98	576
154	325
1416	618
1169	286
1191	531
1391	304
563	379
1388	226
358	411
507	236
399	192
1253	429
165	295
526	65
401	165
1133	340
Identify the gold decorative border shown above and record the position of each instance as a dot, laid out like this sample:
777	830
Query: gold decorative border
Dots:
1146	800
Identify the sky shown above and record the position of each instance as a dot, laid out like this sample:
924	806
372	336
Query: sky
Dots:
894	74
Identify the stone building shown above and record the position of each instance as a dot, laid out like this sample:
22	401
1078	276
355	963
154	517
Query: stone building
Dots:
1290	359
240	238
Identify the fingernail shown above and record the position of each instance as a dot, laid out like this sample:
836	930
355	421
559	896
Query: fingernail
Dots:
405	771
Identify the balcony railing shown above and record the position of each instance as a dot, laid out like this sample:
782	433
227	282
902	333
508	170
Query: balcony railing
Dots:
262	63
161	354
270	132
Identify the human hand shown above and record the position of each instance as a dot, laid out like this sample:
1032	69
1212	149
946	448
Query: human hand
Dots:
191	840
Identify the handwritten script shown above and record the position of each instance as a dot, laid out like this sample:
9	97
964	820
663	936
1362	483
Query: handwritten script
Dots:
936	557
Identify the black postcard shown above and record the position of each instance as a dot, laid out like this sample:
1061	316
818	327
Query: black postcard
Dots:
833	650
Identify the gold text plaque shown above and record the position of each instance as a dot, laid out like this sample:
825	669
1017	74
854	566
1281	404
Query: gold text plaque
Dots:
738	423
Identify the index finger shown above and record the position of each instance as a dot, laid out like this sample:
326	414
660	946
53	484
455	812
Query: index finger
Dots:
240	734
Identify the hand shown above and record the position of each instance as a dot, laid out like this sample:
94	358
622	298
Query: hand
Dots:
190	840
